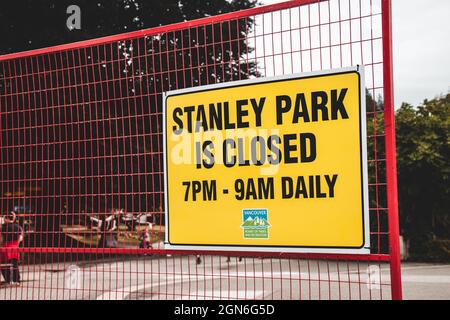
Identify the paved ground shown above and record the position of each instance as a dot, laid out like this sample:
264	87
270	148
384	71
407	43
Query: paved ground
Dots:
426	281
252	278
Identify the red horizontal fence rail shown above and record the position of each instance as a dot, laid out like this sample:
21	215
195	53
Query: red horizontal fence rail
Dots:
81	139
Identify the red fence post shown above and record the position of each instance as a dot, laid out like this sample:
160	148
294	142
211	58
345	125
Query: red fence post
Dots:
391	166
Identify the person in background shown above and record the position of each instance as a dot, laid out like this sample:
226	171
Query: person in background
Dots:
145	241
12	236
229	259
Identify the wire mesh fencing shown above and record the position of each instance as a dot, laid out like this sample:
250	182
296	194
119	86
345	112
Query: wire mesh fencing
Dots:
82	160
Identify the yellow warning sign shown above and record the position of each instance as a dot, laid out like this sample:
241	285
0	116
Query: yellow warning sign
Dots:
272	164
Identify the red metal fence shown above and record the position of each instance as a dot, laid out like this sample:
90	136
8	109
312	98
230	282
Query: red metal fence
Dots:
81	140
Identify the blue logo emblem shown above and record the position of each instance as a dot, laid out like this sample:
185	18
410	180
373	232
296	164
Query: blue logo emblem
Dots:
255	223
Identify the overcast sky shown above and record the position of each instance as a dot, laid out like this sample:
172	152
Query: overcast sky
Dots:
421	34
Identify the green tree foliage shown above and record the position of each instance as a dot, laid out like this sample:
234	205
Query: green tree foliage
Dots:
423	173
423	176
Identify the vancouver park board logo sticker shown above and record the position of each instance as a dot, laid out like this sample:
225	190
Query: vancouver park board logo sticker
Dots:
255	223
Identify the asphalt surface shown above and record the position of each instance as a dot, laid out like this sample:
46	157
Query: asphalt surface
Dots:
180	277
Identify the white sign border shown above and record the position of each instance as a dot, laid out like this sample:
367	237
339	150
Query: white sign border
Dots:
365	249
